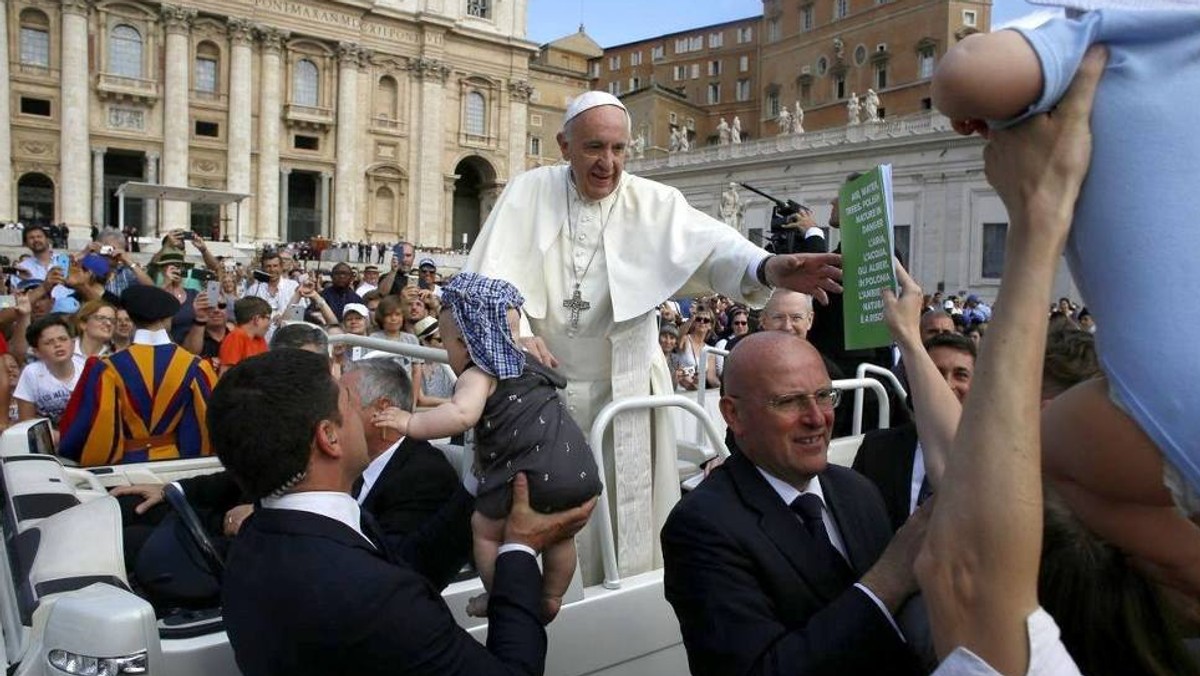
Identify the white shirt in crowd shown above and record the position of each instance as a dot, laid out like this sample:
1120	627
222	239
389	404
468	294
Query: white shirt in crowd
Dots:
45	391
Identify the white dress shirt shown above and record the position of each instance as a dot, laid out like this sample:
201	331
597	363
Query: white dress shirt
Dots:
371	474
330	504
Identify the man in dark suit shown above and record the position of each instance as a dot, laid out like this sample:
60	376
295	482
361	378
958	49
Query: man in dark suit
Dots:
780	563
312	586
892	458
408	480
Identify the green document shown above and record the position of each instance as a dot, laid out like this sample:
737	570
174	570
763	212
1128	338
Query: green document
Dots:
865	211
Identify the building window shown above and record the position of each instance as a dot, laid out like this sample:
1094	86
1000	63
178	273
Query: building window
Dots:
881	80
476	114
302	142
657	53
35	106
718	40
927	103
635	59
635	83
387	98
205	76
690	123
695	70
672	118
535	146
594	69
993	249
745	34
535	120
681	46
744	63
840	9
207	129
714	92
969	17
772	105
305	85
805	92
743	90
772	30
614	88
925	62
822	66
839	87
860	55
125	51
614	62
695	43
806	18
479	8
680	73
714	68
35	39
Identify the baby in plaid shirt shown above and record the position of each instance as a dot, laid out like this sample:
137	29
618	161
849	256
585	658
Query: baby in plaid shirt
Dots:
521	425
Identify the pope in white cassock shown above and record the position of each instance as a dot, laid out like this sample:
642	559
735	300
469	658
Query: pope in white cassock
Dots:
594	251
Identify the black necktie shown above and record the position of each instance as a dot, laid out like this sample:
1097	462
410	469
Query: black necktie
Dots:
809	507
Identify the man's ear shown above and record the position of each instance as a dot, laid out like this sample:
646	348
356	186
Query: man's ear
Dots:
728	409
382	404
327	439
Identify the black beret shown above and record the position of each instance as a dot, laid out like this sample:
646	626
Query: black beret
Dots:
146	303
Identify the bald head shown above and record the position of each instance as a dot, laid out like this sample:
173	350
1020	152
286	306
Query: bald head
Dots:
756	355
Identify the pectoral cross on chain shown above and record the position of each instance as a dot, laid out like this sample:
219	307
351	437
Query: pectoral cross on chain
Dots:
576	304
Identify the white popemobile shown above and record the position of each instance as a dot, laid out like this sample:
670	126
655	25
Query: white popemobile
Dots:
66	599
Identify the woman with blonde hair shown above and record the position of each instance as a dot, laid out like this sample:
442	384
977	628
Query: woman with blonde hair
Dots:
94	326
697	332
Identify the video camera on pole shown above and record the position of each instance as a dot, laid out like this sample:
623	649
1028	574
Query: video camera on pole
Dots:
785	237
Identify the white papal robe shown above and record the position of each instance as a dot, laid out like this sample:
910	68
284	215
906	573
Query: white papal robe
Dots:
648	245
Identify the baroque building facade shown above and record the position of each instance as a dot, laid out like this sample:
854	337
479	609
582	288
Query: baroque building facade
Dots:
384	120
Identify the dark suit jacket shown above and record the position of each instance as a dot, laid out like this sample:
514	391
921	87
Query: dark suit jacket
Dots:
753	597
886	458
415	484
305	594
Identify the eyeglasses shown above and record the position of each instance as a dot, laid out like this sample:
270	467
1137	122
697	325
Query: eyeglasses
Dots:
742	323
794	318
100	319
702	320
825	398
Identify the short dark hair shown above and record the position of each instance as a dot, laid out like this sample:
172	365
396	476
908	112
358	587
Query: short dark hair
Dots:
262	416
29	229
298	335
34	332
269	254
953	341
246	309
388	305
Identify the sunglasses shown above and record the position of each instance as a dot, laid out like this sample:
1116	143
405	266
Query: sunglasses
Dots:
702	320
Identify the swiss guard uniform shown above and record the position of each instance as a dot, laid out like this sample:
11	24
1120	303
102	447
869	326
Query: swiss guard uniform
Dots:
143	403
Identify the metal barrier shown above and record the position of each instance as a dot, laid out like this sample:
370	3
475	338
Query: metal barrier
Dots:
702	383
392	346
601	517
860	384
861	372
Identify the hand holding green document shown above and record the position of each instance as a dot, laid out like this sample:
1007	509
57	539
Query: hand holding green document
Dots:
865	209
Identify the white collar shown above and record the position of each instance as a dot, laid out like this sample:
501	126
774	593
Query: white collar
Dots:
148	337
330	504
787	492
371	474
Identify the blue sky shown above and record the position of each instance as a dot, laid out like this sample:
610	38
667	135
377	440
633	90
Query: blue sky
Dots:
613	22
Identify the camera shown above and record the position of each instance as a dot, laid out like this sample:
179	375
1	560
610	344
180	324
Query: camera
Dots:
187	234
260	275
784	239
107	250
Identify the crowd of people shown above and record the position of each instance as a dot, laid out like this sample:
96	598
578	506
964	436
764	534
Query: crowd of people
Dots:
970	539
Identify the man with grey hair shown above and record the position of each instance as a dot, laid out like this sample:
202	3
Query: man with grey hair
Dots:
789	311
125	272
408	480
594	251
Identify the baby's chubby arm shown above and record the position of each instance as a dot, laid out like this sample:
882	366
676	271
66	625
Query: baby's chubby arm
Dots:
459	414
987	76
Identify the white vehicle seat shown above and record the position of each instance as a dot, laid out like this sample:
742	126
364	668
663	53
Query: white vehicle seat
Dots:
843	450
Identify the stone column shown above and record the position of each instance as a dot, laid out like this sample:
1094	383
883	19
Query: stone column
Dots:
519	91
241	39
8	188
74	184
447	234
178	22
323	202
433	201
346	191
150	207
98	185
283	204
268	219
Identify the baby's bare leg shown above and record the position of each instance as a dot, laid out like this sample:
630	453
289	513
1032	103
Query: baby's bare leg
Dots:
1111	475
488	535
558	567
